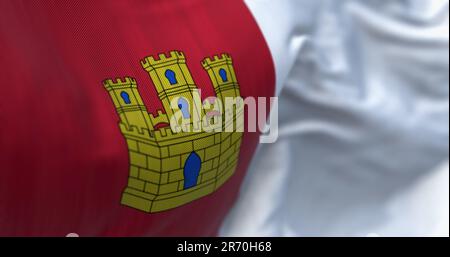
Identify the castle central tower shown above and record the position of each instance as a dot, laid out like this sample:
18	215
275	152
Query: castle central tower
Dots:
173	82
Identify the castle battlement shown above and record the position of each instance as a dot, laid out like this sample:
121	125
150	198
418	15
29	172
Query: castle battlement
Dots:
216	60
118	83
150	62
160	135
159	118
132	130
166	133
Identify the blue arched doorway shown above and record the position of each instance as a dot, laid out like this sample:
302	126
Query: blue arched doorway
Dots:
191	170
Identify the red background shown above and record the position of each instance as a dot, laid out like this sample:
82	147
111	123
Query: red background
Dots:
64	162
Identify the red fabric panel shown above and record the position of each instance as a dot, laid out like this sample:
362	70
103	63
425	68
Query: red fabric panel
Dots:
64	162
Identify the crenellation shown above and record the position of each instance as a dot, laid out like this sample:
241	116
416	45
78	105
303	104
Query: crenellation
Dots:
216	60
159	118
136	131
150	62
111	84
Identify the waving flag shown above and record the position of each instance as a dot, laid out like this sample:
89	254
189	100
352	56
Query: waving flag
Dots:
81	89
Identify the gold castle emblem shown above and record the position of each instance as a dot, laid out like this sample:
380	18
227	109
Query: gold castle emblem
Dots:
169	169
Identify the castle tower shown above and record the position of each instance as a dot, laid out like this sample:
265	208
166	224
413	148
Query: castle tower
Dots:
172	79
128	103
221	72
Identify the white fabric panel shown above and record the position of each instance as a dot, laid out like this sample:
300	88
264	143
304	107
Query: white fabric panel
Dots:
364	121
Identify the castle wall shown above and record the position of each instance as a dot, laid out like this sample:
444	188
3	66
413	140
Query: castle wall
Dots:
160	173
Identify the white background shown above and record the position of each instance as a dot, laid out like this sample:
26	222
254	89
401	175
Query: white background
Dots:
364	121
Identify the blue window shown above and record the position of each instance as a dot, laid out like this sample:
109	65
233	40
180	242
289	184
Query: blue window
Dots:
191	170
125	97
170	75
184	107
223	75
